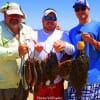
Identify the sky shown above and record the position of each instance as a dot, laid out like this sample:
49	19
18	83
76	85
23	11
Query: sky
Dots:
65	13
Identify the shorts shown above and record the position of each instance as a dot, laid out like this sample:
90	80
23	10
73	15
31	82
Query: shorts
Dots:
50	93
89	92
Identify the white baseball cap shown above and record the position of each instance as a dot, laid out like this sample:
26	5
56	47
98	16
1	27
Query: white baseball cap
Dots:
48	11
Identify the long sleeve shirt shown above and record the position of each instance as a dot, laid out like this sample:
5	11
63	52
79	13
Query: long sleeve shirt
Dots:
9	57
47	40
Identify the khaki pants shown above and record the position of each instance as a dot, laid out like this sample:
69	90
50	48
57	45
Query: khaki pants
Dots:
14	93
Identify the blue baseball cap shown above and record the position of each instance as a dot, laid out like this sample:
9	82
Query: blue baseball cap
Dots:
81	2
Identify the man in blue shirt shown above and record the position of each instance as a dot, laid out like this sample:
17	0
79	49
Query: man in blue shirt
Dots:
88	31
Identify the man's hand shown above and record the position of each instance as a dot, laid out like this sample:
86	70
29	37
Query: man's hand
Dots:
59	45
23	49
38	46
87	38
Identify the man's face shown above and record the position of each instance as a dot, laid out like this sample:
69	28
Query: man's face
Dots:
13	21
49	22
82	12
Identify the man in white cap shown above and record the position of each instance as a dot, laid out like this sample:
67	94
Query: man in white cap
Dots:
14	36
88	31
51	39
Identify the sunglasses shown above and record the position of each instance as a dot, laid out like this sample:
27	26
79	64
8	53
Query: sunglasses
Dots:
77	9
49	18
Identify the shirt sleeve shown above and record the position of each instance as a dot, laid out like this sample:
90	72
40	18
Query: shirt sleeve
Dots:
69	49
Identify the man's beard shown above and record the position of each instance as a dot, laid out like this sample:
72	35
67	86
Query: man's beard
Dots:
14	22
49	29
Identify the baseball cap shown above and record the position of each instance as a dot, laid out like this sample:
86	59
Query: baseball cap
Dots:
81	2
13	8
48	11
